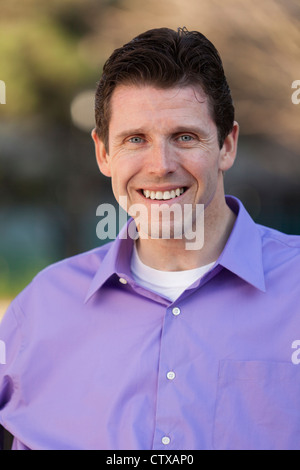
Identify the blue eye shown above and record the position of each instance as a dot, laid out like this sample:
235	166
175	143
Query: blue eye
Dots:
135	140
185	138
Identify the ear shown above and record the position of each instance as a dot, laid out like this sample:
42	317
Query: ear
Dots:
102	156
228	151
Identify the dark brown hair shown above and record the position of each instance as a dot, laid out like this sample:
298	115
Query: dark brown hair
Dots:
165	58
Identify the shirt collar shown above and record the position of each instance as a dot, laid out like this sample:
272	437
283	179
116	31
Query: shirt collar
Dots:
242	254
116	260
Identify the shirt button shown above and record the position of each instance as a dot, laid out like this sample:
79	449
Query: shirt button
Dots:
122	280
176	311
171	375
166	440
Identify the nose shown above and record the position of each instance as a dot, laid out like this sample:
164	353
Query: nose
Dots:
161	160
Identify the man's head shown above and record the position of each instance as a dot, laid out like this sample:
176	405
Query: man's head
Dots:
164	58
165	132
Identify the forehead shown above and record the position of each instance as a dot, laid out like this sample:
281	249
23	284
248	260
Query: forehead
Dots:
133	105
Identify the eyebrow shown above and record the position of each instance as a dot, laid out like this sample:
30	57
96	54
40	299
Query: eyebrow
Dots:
127	132
175	130
191	128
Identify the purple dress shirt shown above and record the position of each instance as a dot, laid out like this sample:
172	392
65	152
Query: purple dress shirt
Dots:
95	361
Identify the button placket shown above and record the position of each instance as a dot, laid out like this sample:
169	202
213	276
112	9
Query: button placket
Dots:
167	397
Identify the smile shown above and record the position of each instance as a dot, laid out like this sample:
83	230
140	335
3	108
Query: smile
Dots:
163	195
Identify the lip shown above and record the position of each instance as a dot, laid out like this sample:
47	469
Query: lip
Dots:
163	188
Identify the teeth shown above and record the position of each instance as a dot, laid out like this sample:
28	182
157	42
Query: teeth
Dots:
163	194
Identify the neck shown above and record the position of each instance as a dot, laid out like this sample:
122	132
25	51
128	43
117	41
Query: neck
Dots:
172	254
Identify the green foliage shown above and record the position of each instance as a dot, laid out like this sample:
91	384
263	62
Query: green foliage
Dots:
40	63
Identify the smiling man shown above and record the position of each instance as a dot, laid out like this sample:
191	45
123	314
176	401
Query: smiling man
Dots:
166	142
151	343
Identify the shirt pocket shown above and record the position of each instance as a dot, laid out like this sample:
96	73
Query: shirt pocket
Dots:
257	406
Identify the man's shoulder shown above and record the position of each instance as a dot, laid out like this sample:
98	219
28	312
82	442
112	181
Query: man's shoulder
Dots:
279	240
87	263
280	252
66	279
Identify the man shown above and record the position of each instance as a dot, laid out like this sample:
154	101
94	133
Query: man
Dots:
155	343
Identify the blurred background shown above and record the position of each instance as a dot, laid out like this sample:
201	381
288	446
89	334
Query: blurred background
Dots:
51	57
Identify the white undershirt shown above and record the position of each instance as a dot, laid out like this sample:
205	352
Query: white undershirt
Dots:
170	284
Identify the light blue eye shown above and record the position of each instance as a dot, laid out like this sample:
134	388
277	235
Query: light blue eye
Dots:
135	140
186	138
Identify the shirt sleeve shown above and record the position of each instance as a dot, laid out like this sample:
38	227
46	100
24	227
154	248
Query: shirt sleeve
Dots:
10	346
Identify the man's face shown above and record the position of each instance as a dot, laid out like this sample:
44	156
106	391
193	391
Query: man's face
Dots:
163	148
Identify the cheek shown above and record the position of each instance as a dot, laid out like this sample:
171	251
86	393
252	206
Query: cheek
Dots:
204	171
119	180
207	177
